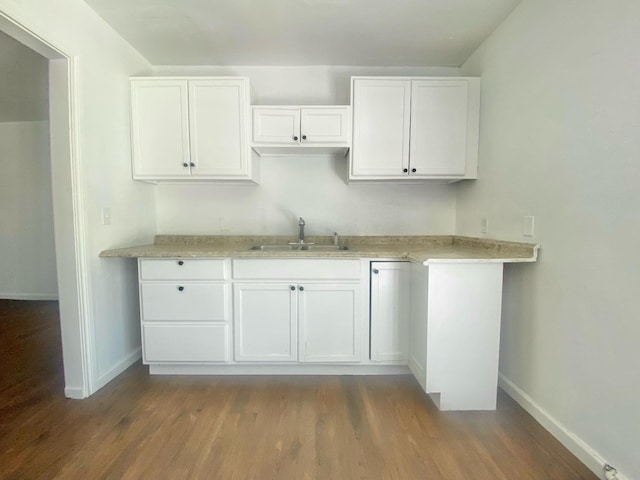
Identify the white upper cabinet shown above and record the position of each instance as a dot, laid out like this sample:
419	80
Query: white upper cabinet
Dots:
160	128
190	128
276	125
439	118
381	122
415	128
217	120
324	125
280	130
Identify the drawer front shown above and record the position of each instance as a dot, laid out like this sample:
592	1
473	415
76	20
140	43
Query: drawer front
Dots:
182	269
187	302
185	343
292	269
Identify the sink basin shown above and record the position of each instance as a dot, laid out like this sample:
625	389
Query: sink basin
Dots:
298	248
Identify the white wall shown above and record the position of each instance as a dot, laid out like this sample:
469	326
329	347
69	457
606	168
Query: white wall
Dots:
23	76
311	187
104	63
27	252
560	139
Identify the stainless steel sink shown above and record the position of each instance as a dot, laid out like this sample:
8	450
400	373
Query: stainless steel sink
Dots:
298	248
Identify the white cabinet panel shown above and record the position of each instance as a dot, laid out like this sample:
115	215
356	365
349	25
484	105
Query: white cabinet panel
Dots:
324	125
265	323
418	326
217	110
381	121
184	343
292	130
415	128
185	301
276	125
190	128
390	310
298	269
439	127
329	322
160	128
182	269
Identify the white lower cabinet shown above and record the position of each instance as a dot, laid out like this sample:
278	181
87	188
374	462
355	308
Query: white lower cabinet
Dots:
390	311
290	322
184	311
265	322
297	310
443	321
328	322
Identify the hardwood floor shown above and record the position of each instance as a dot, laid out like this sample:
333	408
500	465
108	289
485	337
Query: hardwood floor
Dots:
143	427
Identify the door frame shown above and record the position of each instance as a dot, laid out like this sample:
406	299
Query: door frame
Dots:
68	210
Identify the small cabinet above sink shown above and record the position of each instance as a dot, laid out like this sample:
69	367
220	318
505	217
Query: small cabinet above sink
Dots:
295	130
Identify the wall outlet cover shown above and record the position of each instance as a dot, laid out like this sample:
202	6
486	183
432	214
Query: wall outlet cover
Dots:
528	225
484	225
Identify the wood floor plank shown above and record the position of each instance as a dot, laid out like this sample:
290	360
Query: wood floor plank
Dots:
287	427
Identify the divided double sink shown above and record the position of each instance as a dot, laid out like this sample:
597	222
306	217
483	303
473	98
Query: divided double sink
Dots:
293	248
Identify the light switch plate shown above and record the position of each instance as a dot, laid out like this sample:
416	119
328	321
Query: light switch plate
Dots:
106	216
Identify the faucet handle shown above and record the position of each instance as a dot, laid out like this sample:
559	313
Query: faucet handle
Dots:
301	222
335	238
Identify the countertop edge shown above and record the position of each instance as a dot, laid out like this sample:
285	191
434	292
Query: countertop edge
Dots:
482	251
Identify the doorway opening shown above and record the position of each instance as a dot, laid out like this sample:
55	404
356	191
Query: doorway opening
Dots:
66	207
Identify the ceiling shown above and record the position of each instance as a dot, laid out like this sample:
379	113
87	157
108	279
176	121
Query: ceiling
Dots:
305	32
24	77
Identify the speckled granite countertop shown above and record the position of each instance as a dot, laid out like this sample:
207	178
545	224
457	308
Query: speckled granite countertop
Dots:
418	249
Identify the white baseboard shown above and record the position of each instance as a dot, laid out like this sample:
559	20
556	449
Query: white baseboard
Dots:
585	453
418	372
117	369
77	393
277	369
28	296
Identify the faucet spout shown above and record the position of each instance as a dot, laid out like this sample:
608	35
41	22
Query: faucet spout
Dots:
301	224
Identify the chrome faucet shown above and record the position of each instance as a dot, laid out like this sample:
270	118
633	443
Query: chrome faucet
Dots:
301	243
301	224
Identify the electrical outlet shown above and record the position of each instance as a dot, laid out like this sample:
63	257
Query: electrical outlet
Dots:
106	216
484	225
528	224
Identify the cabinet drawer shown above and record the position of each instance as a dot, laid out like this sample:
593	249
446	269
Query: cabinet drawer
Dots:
185	343
182	269
188	301
293	269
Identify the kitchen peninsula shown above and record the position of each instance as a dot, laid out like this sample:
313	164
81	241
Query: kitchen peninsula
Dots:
370	305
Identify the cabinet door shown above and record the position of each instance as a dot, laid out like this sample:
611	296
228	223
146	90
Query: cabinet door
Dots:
324	125
218	129
276	125
381	116
160	128
439	127
329	322
265	327
390	310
